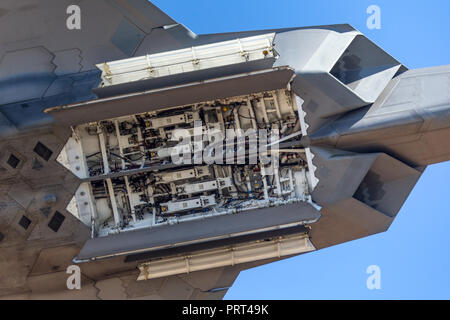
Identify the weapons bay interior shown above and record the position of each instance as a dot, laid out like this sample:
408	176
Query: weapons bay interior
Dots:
132	182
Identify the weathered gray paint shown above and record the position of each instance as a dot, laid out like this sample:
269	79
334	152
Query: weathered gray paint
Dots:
198	231
189	93
371	122
409	121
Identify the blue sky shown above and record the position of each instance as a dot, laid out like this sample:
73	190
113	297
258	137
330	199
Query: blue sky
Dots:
414	255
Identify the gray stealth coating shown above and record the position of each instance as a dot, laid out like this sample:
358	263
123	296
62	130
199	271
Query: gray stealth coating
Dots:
197	231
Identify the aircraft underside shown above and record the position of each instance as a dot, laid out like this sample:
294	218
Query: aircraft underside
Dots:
162	163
